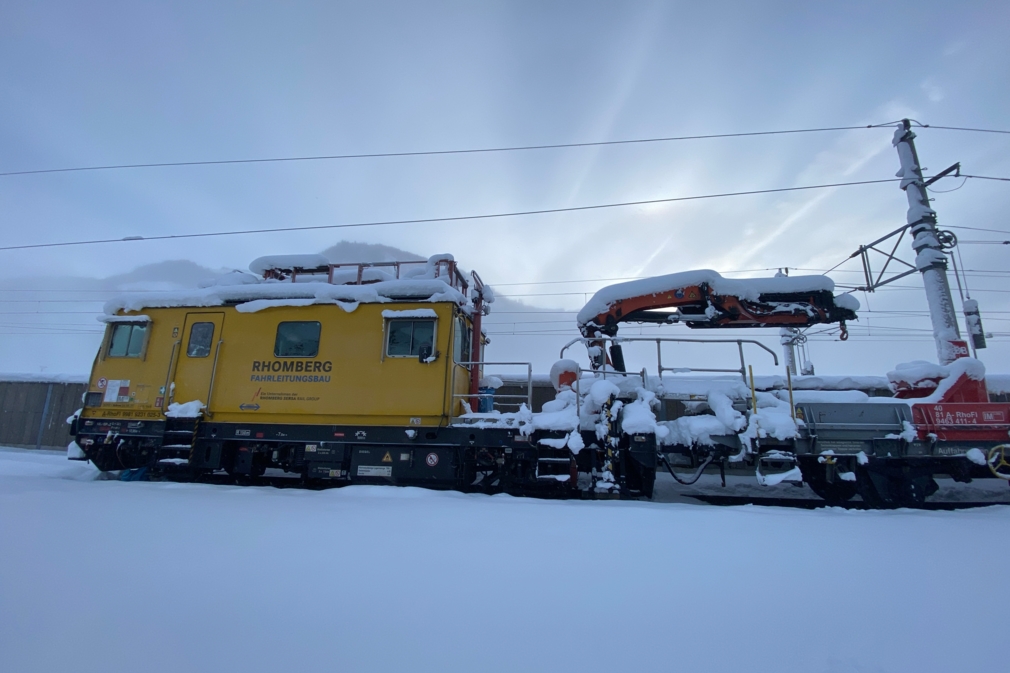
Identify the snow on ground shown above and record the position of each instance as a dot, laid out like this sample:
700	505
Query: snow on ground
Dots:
112	576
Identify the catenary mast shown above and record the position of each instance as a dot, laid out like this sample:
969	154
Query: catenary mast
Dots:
930	259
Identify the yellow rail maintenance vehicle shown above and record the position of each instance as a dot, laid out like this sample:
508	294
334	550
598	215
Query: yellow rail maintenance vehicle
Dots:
325	373
311	373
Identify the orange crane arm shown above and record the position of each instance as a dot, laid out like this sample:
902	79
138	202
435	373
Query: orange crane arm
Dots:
699	307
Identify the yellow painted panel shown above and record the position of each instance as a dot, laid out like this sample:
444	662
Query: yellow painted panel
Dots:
195	360
142	380
349	381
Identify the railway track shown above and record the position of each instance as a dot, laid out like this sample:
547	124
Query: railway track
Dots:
809	503
720	500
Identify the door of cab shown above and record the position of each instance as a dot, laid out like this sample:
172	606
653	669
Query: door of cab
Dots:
198	353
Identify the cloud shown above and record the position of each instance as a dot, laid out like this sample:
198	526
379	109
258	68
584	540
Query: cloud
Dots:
933	92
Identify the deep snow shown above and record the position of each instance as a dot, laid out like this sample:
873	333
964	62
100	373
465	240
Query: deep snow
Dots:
110	576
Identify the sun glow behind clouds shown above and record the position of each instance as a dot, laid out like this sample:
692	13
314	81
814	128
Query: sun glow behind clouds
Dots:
198	85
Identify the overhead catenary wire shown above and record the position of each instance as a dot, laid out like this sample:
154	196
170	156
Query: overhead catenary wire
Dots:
961	128
984	177
421	153
978	273
456	218
991	231
479	150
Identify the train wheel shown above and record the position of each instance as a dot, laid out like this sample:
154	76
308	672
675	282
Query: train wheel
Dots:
999	461
835	491
104	457
888	491
638	480
913	491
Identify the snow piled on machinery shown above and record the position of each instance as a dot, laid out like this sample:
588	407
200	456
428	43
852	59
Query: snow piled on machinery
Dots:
303	280
751	288
748	289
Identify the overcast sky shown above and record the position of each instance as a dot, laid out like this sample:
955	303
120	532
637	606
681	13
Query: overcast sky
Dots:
86	84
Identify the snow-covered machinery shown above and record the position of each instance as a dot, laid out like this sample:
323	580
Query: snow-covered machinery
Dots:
705	300
887	449
328	374
375	373
841	443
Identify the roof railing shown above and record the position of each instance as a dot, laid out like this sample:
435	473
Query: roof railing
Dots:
444	268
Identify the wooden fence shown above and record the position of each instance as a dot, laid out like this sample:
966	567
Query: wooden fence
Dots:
33	414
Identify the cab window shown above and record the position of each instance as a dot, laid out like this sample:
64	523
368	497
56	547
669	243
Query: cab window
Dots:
297	340
406	337
127	340
461	341
200	337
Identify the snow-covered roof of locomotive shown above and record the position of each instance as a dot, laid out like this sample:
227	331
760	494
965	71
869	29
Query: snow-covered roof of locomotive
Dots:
252	293
261	265
744	288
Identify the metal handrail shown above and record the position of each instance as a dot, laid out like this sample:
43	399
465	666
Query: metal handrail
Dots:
659	352
529	380
213	376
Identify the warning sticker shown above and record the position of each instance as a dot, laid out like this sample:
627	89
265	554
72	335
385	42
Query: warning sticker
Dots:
117	391
375	470
431	459
387	458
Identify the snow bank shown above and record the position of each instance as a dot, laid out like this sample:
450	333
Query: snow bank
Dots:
722	407
233	277
252	293
774	479
602	390
561	413
316	293
748	288
521	420
44	378
562	367
638	418
258	305
923	374
970	367
123	318
74	452
847	301
773	419
411	313
691	430
907	433
261	265
53	566
823	396
185	410
490	381
977	456
700	429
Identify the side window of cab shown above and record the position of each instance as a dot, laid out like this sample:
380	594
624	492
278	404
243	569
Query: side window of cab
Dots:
461	341
128	340
407	337
297	339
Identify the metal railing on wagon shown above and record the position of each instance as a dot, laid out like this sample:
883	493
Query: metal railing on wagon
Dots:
496	399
